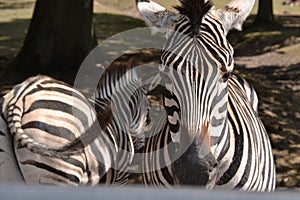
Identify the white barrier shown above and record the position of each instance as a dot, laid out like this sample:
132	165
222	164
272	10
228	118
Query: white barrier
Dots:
132	193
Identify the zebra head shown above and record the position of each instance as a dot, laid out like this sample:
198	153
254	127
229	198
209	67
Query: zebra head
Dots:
198	60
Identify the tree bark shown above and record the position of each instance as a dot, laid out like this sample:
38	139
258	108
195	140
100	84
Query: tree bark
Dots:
60	35
265	11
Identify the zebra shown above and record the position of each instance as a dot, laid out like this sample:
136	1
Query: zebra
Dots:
154	142
42	112
212	135
130	112
48	119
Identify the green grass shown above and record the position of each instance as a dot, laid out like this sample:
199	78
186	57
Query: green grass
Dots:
11	10
280	9
110	24
14	21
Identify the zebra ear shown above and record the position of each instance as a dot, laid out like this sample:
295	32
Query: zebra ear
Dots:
235	13
155	14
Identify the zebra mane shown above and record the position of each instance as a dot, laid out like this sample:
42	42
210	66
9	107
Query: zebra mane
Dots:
103	106
194	10
114	72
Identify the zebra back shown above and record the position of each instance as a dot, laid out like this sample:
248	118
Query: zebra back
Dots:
42	92
43	114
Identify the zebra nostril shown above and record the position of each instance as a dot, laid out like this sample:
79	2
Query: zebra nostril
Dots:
148	120
211	169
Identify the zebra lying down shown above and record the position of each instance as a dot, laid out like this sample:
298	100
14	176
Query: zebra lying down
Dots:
56	137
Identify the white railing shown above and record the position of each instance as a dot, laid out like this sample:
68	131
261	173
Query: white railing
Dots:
132	193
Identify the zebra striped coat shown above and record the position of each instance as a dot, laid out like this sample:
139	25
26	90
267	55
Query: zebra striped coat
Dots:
238	88
126	97
51	123
213	136
43	112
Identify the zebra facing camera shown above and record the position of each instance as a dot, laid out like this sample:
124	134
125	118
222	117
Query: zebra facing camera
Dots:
146	76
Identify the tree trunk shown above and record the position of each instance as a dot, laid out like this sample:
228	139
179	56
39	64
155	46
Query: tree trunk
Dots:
60	35
265	11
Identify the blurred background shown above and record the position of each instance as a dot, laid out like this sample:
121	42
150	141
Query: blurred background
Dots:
53	37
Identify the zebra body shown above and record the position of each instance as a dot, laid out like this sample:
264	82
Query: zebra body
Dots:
44	112
213	136
56	133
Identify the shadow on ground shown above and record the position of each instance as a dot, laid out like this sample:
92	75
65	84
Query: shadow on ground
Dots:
258	39
12	35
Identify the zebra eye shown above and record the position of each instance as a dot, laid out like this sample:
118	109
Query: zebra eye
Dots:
226	76
230	61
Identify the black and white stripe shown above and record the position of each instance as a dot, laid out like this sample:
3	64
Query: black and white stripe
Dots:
252	166
56	132
121	90
40	114
212	134
161	143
